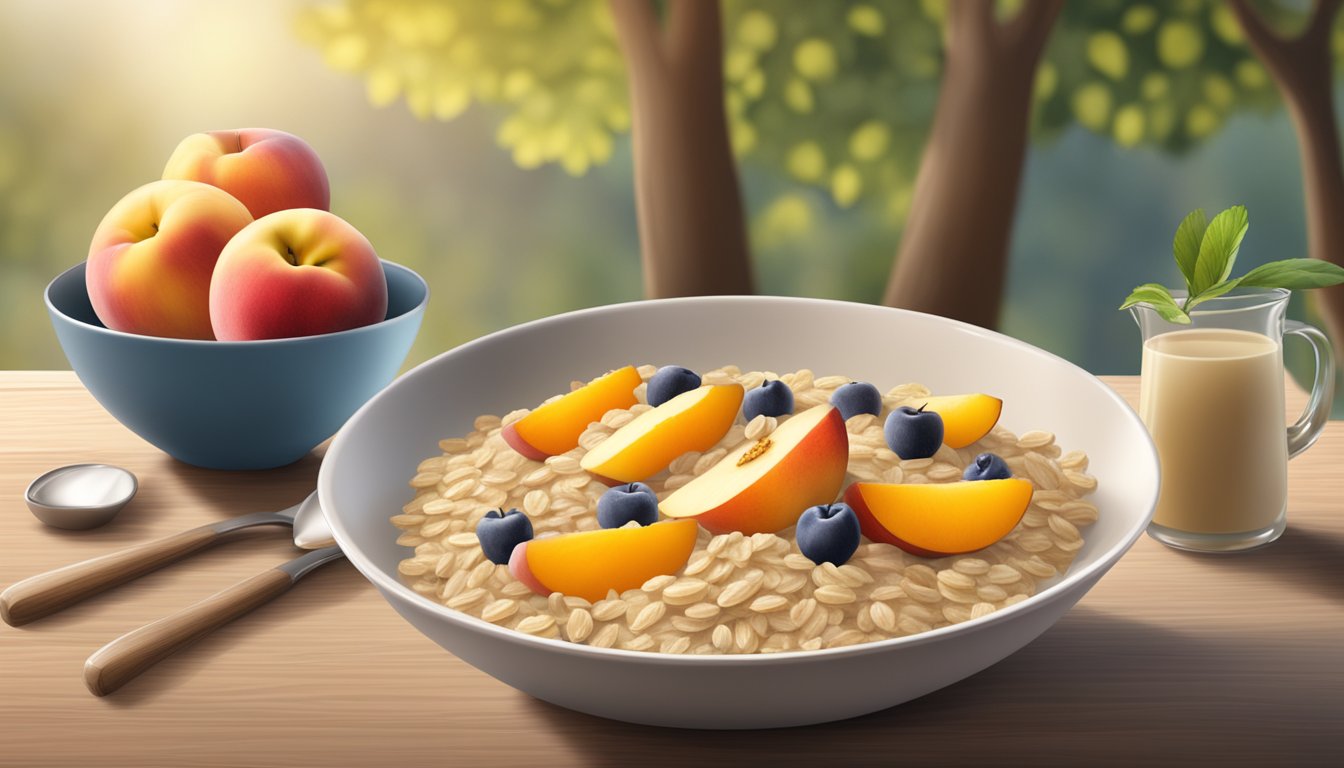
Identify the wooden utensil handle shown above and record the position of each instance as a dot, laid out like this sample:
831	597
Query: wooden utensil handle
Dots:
121	660
46	593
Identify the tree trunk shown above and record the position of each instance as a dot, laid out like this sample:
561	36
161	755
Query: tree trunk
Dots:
954	251
1301	68
692	233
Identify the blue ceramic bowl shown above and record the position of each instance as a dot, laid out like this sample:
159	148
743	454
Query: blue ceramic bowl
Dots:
235	404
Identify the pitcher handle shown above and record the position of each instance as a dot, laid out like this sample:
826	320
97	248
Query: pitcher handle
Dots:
1302	434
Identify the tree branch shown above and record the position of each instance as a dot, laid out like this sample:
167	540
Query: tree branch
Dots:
638	32
1266	43
970	22
1028	31
694	33
1322	19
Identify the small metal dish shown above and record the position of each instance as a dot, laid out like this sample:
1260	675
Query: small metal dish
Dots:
80	496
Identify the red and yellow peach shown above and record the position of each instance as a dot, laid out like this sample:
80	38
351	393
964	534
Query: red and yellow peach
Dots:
554	427
266	169
937	519
298	272
764	486
153	255
691	421
589	563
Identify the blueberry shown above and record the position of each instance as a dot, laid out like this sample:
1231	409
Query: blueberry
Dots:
632	501
857	397
914	434
828	533
670	381
499	532
987	466
773	398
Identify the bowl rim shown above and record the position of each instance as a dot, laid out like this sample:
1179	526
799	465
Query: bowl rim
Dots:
392	587
254	343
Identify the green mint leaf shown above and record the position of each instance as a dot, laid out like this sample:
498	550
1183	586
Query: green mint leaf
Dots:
1185	247
1294	273
1211	293
1218	249
1160	300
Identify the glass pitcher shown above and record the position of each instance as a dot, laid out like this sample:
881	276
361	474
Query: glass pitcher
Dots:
1212	396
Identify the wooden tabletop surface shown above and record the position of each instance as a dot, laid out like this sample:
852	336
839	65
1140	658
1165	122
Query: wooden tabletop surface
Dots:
1172	658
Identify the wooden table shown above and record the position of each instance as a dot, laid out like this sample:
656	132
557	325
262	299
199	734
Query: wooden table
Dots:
1171	658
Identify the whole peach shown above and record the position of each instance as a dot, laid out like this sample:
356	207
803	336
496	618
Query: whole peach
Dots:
297	272
268	170
153	255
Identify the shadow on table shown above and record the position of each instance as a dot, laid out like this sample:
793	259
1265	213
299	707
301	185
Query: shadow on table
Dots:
306	598
1262	699
1308	559
228	494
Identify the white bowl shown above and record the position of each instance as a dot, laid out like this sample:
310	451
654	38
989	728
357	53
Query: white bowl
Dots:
364	477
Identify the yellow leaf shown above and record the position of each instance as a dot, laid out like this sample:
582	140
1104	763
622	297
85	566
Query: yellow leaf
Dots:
788	217
1201	121
1225	24
806	161
815	59
1128	126
450	101
1092	105
1138	19
1180	44
383	86
1251	75
798	95
753	85
1154	86
743	137
869	140
846	185
866	20
1106	52
1047	80
1219	91
346	53
738	64
756	30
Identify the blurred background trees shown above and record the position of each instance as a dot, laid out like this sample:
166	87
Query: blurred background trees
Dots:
843	96
500	163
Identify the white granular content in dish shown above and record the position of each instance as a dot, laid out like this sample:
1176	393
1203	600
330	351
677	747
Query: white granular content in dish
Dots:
737	594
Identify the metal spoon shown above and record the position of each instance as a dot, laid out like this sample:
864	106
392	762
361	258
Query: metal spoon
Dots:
49	592
80	496
121	660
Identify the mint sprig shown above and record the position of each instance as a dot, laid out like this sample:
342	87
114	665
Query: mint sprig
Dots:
1205	252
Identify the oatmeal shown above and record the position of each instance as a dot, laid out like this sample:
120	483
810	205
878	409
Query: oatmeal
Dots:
737	593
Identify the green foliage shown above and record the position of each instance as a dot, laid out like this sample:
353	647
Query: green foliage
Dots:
1218	249
1293	274
1159	73
552	64
836	95
1214	247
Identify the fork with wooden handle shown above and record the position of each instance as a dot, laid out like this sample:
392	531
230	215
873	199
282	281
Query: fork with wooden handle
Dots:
121	660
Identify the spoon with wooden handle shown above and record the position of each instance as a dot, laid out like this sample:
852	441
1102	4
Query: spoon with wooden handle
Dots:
47	593
121	660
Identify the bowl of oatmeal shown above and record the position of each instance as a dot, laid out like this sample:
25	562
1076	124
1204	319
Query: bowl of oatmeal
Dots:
742	626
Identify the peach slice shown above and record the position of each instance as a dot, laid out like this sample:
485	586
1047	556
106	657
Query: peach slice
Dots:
936	519
966	418
691	421
554	427
764	486
589	563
